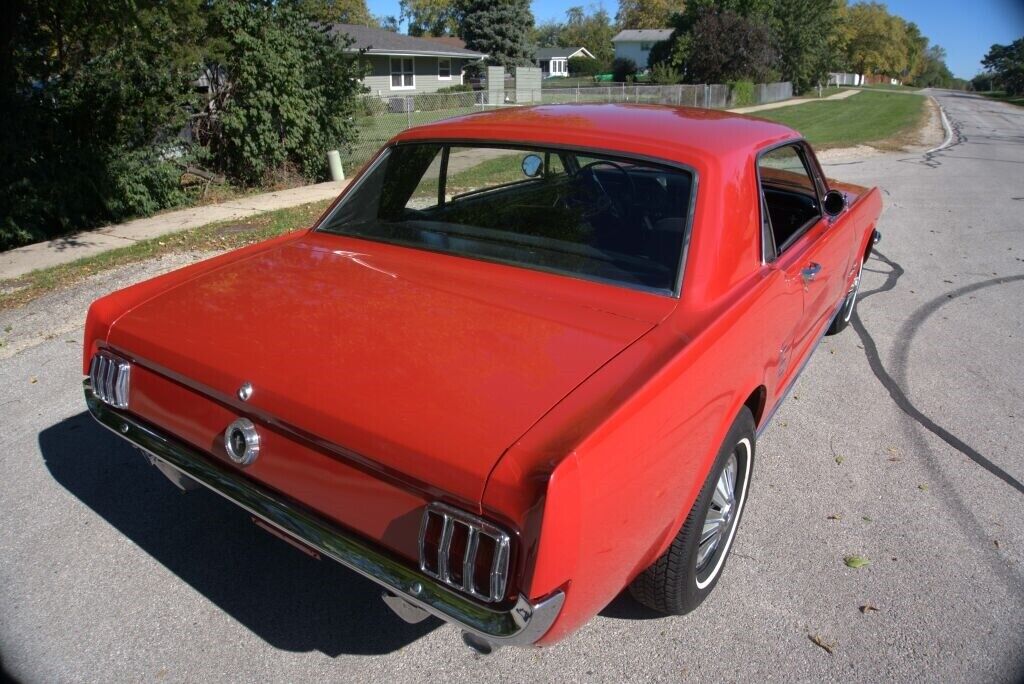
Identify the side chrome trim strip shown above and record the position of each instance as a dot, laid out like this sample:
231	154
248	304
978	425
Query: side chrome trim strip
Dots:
520	625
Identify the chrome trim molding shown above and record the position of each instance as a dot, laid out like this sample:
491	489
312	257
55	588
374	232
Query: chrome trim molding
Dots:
450	519
522	624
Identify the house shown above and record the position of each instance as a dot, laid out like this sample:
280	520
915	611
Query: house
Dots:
405	65
555	61
636	44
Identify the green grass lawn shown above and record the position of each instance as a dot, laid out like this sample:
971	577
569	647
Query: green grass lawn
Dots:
1000	95
870	117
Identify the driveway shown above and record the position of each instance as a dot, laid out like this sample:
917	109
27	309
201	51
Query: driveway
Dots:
901	443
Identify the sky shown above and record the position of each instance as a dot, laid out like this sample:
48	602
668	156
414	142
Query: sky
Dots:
965	29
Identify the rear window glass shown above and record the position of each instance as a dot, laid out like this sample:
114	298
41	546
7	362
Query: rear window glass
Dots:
589	216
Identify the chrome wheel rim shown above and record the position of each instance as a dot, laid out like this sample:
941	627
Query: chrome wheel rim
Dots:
720	516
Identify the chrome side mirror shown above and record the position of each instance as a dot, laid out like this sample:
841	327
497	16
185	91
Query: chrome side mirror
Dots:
532	166
834	203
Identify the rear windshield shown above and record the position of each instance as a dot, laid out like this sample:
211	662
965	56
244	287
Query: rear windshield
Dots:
584	215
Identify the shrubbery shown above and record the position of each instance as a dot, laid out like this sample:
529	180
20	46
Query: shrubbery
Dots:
741	93
96	98
623	69
664	74
584	66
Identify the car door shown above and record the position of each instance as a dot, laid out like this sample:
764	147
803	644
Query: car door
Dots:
801	247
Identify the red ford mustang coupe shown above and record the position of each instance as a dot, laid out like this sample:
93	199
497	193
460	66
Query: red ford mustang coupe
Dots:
518	366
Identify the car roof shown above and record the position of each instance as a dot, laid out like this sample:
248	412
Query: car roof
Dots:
681	134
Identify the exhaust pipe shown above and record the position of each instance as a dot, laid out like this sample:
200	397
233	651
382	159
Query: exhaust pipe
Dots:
478	644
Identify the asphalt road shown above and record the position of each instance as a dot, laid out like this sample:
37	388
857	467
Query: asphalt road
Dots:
902	443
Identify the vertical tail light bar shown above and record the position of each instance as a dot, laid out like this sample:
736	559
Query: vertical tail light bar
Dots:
110	379
465	552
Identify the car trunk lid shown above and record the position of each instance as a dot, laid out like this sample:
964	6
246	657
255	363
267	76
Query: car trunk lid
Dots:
423	364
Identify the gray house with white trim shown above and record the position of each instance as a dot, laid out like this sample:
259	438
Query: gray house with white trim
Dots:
636	44
406	65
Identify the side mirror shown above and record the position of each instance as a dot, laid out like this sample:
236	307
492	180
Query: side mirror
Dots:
834	204
532	166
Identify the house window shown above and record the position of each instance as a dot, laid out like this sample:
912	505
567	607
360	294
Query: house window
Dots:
444	68
646	47
402	75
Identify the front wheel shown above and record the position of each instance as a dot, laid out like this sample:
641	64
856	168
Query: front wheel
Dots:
842	318
685	574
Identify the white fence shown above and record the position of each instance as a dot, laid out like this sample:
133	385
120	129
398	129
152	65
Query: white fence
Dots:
379	119
844	79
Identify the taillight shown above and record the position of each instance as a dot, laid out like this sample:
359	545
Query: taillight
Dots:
110	379
465	552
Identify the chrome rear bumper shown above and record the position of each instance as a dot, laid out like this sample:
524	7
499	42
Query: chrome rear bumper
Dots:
521	625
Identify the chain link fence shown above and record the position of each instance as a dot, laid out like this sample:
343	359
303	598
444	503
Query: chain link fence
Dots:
378	119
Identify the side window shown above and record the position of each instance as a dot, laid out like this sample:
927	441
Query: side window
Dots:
427	189
789	195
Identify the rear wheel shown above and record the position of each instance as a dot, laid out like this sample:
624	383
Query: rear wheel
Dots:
686	573
842	318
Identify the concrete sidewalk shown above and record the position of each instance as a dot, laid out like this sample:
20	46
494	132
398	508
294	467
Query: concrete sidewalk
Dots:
795	101
18	262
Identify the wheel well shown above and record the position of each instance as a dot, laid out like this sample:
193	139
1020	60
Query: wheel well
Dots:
755	402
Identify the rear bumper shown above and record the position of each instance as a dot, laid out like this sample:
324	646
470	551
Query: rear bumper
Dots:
521	625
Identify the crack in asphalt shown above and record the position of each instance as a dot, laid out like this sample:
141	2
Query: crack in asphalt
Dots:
931	159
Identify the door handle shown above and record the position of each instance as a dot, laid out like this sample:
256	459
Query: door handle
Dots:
809	273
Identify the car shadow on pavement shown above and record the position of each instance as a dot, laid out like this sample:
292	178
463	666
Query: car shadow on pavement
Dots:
290	600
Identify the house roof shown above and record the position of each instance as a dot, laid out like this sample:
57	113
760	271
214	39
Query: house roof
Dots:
450	41
642	35
556	52
380	42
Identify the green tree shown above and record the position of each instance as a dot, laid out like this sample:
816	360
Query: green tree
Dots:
934	73
677	49
432	17
547	34
875	40
647	14
593	31
727	46
338	11
93	94
500	29
802	30
291	92
915	46
1006	62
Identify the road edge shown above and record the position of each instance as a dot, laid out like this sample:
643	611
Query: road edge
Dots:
945	125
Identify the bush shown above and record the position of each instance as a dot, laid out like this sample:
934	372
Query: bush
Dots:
623	69
584	66
741	93
664	74
292	92
460	88
87	143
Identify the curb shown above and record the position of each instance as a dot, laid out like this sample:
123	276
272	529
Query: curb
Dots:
945	126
